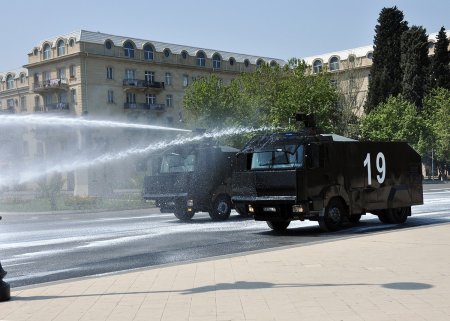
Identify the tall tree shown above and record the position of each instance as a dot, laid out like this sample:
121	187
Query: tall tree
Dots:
414	64
386	75
440	62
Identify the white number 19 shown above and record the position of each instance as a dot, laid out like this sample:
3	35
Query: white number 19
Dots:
381	167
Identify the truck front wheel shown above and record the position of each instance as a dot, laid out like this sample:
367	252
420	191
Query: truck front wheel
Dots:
221	208
278	226
333	216
183	214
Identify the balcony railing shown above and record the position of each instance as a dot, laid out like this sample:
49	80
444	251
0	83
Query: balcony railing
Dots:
52	107
138	83
51	84
143	106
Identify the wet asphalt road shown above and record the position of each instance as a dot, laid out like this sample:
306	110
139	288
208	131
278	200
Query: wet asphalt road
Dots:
37	248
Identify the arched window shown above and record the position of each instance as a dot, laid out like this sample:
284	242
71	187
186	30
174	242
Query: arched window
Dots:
273	63
216	61
259	63
317	66
61	48
9	82
22	78
232	61
334	63
128	49
246	62
184	54
201	59
148	52
167	52
370	55
108	44
47	51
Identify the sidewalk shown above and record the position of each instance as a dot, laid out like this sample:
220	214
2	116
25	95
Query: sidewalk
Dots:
395	275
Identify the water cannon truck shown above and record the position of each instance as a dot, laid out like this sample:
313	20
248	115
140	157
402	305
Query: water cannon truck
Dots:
306	175
193	177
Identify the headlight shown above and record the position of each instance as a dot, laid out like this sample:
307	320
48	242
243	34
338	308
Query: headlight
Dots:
298	209
251	209
190	203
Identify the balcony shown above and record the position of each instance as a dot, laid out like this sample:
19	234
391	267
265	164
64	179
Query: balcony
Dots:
56	107
150	107
142	84
51	85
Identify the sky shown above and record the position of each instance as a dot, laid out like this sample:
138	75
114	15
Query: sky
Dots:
276	29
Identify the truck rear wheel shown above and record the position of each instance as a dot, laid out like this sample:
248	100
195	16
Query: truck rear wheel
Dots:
221	208
399	215
278	226
333	216
183	214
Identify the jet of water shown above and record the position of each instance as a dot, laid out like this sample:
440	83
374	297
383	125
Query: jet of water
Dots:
35	173
41	120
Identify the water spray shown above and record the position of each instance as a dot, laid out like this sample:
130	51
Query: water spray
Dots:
57	121
33	174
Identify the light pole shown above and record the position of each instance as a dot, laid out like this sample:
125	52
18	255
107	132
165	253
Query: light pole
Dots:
5	291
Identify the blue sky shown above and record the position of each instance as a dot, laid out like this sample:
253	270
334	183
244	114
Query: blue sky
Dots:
278	29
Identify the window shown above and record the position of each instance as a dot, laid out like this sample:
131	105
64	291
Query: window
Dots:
23	103
232	61
9	82
184	54
150	99
73	95
149	76
201	59
351	58
47	51
166	53
259	63
334	64
72	71
317	66
216	61
273	63
110	97
131	100
168	78
71	42
10	104
128	49
37	102
177	163
22	78
61	48
289	156
148	52
246	63
61	73
109	73
108	44
129	74
370	55
169	101
185	80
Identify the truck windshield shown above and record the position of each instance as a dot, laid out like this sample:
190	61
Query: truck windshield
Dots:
290	156
176	163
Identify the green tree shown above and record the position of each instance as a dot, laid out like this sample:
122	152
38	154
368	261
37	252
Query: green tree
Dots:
394	120
414	64
267	97
436	136
386	75
440	62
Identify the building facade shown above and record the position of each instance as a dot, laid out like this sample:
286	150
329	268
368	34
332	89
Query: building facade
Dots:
101	76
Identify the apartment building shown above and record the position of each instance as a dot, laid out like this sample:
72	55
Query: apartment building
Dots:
102	76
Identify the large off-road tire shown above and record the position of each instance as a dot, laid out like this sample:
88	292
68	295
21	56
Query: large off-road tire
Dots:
384	217
333	216
278	226
221	208
183	215
399	215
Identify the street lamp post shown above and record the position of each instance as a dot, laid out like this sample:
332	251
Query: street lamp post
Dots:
5	291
